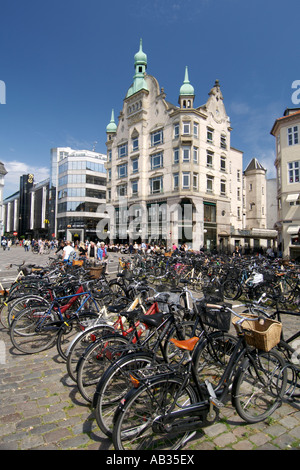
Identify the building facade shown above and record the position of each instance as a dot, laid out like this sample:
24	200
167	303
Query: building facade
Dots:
68	205
286	132
77	193
172	172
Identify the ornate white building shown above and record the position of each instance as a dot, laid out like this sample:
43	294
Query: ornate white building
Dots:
172	172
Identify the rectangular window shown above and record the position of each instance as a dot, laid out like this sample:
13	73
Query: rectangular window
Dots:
122	190
135	165
186	154
157	137
156	161
176	130
156	185
122	171
195	181
175	180
223	163
209	183
135	144
223	142
134	187
176	155
292	134
186	180
186	129
293	170
210	135
195	154
123	150
238	175
223	188
209	158
196	129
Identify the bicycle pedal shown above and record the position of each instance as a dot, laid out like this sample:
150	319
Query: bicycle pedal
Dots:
212	396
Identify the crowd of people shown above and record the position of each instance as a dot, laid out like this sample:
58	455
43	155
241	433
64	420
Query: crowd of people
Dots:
99	250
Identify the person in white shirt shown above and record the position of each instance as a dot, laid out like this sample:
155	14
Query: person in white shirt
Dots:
67	251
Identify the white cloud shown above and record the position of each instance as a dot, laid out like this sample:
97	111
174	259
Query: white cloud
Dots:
15	169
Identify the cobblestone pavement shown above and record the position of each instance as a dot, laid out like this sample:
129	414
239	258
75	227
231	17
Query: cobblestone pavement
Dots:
40	407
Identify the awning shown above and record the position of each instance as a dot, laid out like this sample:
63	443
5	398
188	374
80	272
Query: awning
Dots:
293	229
292	197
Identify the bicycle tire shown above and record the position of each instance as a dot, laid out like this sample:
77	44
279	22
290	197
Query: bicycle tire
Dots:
4	311
95	360
133	428
259	386
113	386
80	343
212	355
19	304
70	328
232	289
24	334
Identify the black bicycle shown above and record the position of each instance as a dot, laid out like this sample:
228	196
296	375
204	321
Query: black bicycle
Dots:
167	405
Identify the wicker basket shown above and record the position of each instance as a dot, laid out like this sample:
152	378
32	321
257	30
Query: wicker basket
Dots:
96	272
263	336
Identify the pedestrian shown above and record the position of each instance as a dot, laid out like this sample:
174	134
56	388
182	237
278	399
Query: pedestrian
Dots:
9	243
67	250
4	243
102	252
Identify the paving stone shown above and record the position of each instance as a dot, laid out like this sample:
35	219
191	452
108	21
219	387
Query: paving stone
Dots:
215	429
225	439
243	445
259	439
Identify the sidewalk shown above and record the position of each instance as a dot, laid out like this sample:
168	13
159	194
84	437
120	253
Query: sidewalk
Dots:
40	407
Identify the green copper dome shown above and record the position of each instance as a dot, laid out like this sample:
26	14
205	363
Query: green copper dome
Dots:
186	88
140	57
140	65
112	126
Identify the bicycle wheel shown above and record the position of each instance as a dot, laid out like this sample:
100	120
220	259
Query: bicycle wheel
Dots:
134	427
212	355
81	342
259	386
34	330
4	311
113	386
70	328
95	360
232	289
18	305
117	290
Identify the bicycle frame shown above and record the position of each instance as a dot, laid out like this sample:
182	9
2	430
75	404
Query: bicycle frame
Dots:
61	310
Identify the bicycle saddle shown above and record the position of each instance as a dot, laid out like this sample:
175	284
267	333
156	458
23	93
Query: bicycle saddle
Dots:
116	308
187	344
152	320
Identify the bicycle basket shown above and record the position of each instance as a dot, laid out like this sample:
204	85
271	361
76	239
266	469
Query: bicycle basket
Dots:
263	336
214	318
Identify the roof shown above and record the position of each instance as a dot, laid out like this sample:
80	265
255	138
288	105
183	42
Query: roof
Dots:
286	116
254	165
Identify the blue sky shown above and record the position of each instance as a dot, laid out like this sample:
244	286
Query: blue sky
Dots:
67	63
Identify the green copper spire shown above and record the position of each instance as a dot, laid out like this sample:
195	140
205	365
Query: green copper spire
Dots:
112	126
140	57
140	65
186	89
